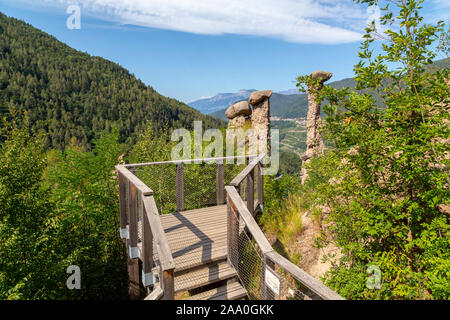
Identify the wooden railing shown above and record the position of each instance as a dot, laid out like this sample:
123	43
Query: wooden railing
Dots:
130	186
152	232
239	209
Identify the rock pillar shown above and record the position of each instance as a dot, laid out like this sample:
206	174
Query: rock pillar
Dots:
314	142
261	119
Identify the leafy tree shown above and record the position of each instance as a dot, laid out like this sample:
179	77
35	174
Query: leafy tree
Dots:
388	171
58	210
84	187
26	219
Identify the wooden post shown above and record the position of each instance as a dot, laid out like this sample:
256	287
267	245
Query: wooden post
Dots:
147	248
260	182
232	235
133	250
132	205
180	187
123	206
219	182
168	285
133	276
250	191
132	209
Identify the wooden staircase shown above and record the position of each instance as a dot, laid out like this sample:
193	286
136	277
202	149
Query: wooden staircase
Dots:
198	242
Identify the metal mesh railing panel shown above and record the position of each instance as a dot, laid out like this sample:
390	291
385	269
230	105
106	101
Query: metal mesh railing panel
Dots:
247	260
199	185
161	179
292	289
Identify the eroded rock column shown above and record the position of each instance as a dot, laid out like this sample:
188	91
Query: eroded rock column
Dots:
314	142
237	114
260	100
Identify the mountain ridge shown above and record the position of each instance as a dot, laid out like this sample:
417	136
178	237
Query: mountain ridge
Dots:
73	96
293	106
284	105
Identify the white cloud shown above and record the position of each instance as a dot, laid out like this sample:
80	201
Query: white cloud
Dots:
303	21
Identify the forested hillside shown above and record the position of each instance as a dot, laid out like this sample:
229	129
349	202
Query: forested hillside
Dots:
72	95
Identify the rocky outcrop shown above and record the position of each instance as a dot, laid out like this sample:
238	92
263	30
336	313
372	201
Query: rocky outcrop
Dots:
314	142
258	96
260	100
242	115
237	114
241	108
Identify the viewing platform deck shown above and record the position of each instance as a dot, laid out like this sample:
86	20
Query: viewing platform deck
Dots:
212	250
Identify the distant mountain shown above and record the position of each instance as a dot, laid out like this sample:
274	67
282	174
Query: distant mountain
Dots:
216	104
220	101
74	96
284	105
290	91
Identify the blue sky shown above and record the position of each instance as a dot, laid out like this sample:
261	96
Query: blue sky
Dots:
187	49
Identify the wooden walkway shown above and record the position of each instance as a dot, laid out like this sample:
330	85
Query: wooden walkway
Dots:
203	253
198	242
196	236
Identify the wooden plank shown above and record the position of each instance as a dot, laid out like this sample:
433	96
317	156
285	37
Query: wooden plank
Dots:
241	176
195	212
159	236
210	214
232	235
201	247
195	258
168	285
250	191
147	242
155	294
133	276
146	191
260	183
177	219
205	230
199	250
122	200
232	291
185	239
239	206
308	281
132	209
201	236
203	275
194	224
